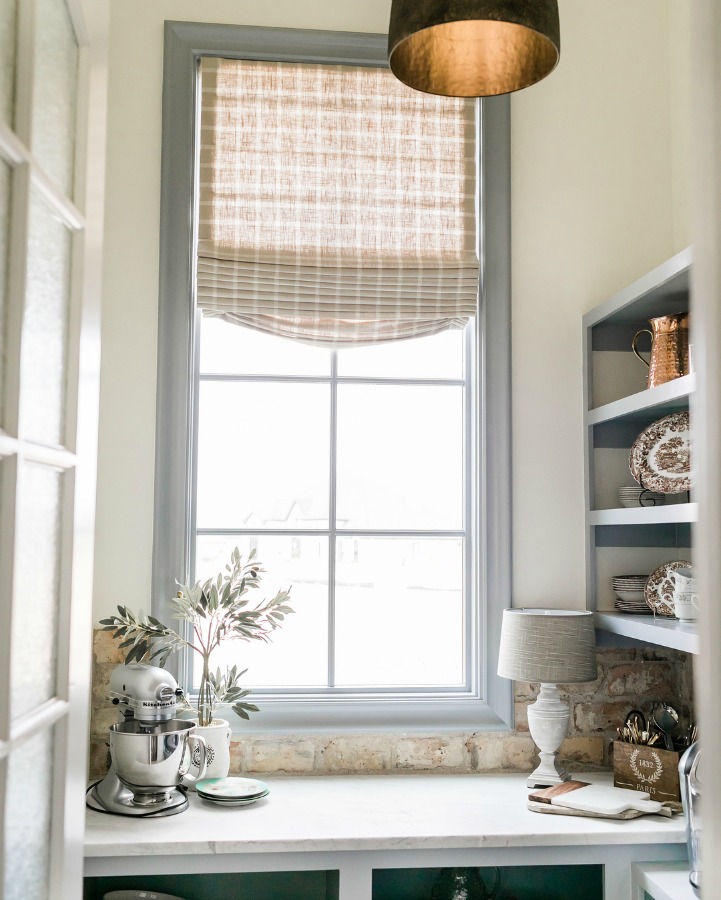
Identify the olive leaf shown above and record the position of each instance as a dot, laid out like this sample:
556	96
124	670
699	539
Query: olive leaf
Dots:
217	610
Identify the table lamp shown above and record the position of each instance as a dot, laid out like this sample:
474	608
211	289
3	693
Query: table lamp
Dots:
552	646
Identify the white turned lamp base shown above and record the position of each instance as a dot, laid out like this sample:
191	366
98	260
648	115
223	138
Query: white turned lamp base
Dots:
548	721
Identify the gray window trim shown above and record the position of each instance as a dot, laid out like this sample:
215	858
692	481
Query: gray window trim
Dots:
491	706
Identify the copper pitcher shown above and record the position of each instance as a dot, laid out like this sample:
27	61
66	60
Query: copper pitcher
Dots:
669	348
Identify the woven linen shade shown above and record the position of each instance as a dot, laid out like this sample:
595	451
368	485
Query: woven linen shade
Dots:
547	645
336	206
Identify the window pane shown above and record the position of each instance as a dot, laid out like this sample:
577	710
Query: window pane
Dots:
437	356
56	62
36	600
5	182
8	18
263	455
27	819
399	612
298	653
400	457
45	326
227	349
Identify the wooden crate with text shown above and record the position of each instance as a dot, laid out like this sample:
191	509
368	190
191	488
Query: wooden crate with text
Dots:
651	769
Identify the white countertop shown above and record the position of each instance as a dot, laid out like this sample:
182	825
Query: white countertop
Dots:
356	813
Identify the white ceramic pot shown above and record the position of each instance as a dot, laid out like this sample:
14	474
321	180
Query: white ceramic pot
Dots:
217	741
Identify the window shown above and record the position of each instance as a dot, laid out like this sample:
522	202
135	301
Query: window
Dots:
347	468
385	539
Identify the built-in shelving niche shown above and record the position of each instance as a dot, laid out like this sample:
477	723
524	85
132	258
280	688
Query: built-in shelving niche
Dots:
617	407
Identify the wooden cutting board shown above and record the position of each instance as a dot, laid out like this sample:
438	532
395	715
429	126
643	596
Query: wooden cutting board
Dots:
598	799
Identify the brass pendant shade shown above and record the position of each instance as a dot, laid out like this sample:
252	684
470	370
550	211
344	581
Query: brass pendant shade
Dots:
472	48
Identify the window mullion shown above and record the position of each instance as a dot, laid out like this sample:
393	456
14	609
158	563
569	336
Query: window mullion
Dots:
332	515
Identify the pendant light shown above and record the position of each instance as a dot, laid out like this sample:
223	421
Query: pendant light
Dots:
473	48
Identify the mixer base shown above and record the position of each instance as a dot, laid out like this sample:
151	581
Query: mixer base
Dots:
111	796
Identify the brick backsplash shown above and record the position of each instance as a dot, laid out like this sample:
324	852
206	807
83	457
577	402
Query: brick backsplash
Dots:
627	678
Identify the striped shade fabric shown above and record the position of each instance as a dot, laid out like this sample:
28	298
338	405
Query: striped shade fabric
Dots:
336	205
553	646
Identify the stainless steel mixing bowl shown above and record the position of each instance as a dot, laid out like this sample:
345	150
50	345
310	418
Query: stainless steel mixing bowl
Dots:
152	761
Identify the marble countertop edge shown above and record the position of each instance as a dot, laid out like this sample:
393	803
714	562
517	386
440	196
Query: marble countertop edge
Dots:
363	813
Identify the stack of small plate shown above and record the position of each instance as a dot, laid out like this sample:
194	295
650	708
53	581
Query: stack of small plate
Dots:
232	791
630	594
632	497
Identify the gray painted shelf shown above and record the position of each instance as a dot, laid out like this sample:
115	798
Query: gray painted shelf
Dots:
662	400
651	629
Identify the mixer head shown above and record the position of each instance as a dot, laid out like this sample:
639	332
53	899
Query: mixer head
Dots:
148	694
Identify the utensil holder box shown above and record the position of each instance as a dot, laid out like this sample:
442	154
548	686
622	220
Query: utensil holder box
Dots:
651	769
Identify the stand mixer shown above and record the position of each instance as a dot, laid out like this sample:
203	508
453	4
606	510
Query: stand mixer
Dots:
150	750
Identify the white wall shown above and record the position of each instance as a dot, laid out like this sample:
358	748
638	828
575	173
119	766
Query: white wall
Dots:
595	189
597	200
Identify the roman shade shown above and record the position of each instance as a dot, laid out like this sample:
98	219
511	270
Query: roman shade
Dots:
336	205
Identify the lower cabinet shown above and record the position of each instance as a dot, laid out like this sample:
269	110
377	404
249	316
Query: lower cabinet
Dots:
221	886
516	883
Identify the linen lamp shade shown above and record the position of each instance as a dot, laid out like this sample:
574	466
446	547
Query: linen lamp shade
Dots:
547	645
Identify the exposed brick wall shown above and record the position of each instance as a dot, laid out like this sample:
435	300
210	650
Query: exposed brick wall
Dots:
628	678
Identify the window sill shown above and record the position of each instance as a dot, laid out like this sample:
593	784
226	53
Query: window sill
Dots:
371	716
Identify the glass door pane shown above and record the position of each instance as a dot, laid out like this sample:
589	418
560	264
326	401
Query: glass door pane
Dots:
56	72
36	595
45	326
28	807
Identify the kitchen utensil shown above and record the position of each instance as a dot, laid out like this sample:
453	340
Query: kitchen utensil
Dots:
669	348
149	748
660	587
665	718
636	718
660	457
152	762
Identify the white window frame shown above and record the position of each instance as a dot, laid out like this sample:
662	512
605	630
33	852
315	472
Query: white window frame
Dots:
486	703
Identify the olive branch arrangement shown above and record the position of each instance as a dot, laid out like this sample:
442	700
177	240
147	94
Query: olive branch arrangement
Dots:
218	610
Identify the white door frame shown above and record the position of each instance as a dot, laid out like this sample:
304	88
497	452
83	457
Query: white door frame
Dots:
68	710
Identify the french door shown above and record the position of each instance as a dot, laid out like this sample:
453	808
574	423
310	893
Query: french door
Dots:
51	154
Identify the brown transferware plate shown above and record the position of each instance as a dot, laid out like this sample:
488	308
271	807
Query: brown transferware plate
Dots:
660	458
659	587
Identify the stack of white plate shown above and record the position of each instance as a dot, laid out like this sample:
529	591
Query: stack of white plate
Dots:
630	595
232	791
632	497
